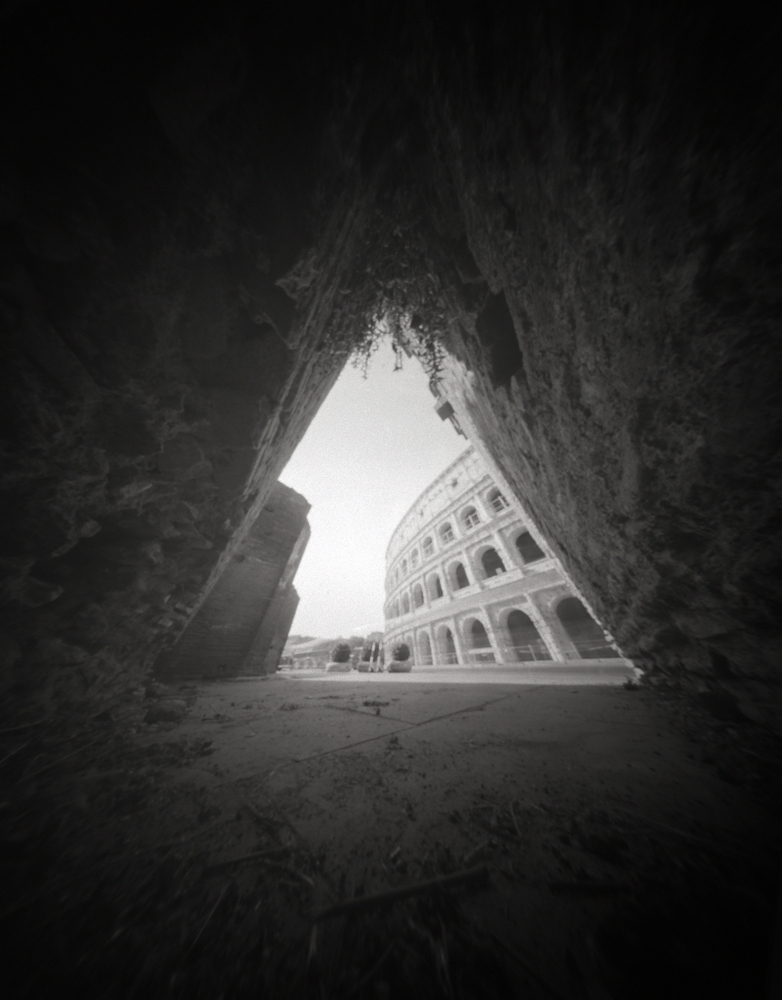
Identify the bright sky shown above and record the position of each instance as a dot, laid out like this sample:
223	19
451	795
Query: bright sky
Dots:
373	447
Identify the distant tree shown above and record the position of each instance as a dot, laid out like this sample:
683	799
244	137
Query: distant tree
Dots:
341	653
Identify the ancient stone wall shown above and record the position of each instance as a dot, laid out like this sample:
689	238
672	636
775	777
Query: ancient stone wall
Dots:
242	613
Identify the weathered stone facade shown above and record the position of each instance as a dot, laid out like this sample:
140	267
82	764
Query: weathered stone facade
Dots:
469	582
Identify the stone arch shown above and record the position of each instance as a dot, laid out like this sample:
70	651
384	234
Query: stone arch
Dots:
478	641
528	548
458	576
446	646
424	649
418	596
445	532
405	604
434	587
470	517
492	562
524	641
496	500
427	547
404	567
583	631
414	559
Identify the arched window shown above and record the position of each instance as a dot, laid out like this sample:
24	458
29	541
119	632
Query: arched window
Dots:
446	646
497	500
404	567
492	564
414	558
470	517
529	550
418	596
480	646
396	609
405	604
585	634
435	588
459	577
428	547
446	533
525	641
424	650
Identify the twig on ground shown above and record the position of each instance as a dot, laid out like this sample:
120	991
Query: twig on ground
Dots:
290	871
170	845
476	876
527	967
269	824
694	838
27	725
475	852
372	972
255	856
15	751
59	760
211	914
513	817
587	888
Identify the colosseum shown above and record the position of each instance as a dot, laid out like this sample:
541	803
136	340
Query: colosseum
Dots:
470	582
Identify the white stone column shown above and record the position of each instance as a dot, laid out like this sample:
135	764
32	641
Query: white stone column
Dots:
445	582
457	641
476	569
433	644
553	637
502	550
494	639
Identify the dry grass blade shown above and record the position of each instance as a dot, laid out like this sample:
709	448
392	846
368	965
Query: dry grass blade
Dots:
472	876
515	824
211	914
14	752
244	858
372	972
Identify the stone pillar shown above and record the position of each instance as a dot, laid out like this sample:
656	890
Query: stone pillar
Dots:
475	569
551	631
457	641
496	645
446	583
503	551
435	648
220	635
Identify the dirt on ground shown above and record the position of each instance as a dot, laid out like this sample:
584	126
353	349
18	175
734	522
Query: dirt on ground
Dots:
618	842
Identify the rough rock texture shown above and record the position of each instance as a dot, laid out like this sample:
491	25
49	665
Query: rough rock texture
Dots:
151	392
201	216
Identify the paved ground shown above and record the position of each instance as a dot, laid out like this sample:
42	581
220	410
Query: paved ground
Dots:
625	858
560	673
